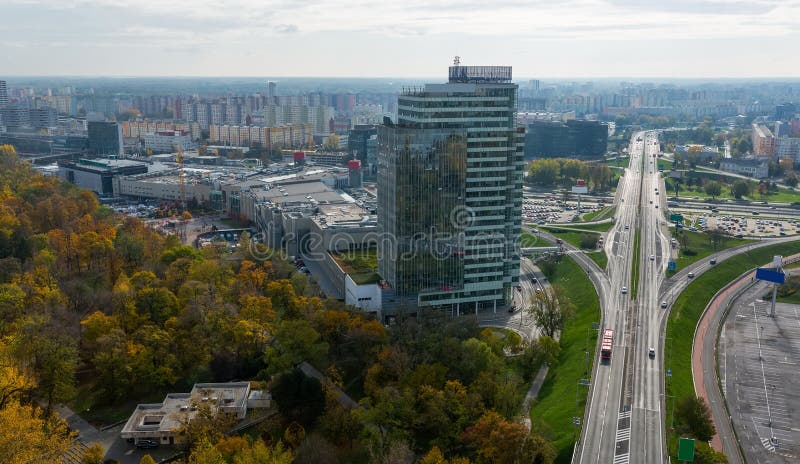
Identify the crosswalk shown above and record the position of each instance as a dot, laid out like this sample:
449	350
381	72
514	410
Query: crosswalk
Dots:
623	434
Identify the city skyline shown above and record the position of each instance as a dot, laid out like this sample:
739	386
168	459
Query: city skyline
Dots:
581	38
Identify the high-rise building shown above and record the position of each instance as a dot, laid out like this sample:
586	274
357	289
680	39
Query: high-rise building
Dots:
3	94
450	193
763	140
105	138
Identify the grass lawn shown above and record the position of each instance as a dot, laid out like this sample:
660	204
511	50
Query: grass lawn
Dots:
699	247
794	298
664	164
361	264
690	305
573	237
554	408
781	195
603	213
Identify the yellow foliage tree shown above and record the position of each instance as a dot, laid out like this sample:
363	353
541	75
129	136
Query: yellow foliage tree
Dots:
27	436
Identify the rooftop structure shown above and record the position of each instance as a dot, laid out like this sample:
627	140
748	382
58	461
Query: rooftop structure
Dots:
163	421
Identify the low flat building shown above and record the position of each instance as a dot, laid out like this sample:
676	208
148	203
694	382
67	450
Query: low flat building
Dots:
98	174
164	421
755	168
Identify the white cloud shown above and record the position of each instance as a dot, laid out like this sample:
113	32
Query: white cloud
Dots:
219	26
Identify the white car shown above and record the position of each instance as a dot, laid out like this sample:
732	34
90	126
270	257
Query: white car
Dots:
652	257
663	305
624	290
651	352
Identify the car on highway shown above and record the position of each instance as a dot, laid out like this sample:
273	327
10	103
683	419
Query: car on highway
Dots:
651	352
691	275
627	227
624	290
652	257
713	261
663	305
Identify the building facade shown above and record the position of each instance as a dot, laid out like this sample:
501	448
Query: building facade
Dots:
105	138
763	140
573	138
168	141
756	168
450	193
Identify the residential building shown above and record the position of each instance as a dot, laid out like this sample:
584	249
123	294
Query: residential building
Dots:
756	168
105	138
573	138
293	135
763	140
450	193
788	147
168	141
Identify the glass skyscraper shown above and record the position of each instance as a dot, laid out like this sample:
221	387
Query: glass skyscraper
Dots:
450	192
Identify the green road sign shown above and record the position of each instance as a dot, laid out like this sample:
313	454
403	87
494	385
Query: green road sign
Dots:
686	449
675	218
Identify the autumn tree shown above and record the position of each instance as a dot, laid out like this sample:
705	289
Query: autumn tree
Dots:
94	454
28	435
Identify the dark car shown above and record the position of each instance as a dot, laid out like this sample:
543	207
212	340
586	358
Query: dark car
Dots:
147	444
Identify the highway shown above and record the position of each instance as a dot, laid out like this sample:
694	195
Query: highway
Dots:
623	421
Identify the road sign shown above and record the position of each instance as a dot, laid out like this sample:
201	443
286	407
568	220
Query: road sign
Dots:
676	217
672	265
686	449
770	275
580	189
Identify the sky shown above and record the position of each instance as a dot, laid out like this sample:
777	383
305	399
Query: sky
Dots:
408	38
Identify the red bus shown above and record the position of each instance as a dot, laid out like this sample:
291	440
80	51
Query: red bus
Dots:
607	344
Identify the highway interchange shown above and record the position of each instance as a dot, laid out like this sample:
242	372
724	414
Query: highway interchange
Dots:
624	419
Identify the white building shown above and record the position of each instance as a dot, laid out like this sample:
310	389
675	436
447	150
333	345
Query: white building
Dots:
756	168
168	141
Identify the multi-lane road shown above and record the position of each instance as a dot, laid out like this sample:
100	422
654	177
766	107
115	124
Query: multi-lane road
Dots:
623	420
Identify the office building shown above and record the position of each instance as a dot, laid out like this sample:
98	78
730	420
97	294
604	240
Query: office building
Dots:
105	138
362	144
450	193
573	138
785	111
168	141
3	94
98	174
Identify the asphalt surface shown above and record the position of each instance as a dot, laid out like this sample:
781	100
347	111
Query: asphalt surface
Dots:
758	366
607	433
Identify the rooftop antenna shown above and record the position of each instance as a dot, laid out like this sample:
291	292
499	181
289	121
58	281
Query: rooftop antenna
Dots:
456	60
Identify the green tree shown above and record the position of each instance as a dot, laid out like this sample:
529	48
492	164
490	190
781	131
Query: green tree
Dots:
550	309
713	189
791	179
545	171
704	454
299	398
740	188
589	241
694	414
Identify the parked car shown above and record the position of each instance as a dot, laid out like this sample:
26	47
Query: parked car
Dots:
147	444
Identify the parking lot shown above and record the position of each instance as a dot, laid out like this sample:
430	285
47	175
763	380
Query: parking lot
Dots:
752	227
552	209
758	360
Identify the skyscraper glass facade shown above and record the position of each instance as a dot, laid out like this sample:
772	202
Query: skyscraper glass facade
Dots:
450	191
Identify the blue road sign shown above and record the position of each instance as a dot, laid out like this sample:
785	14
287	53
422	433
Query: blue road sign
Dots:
770	275
672	265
